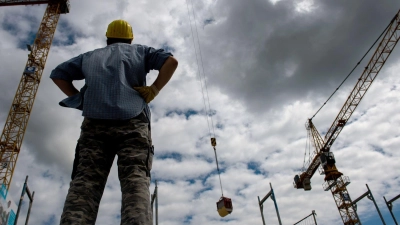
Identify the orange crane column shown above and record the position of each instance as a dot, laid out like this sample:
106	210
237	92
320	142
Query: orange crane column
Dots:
18	117
343	202
335	182
337	186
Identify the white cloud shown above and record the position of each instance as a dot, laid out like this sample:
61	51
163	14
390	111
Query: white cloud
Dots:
268	69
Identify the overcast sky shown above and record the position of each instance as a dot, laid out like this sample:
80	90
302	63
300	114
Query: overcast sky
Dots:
269	66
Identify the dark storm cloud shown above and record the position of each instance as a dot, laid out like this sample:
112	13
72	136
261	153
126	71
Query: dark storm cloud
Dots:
268	55
263	56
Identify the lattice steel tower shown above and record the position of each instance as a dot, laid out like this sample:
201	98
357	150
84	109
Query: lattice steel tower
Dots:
21	108
322	156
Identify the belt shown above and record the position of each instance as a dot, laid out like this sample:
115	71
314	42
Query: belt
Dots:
142	117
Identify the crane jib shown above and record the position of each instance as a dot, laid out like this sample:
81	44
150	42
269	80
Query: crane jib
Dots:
19	2
313	166
369	74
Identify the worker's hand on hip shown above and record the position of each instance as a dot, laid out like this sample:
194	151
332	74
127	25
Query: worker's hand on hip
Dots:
148	93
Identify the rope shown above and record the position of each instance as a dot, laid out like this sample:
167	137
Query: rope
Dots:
204	89
352	69
202	66
198	69
216	160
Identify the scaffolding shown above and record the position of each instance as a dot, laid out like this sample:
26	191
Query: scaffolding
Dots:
369	195
154	197
25	190
390	206
308	220
260	204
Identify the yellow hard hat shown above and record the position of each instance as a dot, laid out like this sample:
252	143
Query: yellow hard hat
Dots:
119	29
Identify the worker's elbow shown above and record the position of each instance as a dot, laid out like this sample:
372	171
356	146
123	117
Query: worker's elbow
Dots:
173	61
59	81
55	80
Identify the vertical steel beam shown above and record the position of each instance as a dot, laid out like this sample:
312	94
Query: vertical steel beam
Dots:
25	190
156	204
29	209
154	197
260	203
261	209
390	206
276	205
20	200
314	214
371	197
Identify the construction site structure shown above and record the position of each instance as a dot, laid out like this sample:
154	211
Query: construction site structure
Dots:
154	197
308	220
370	196
31	195
389	204
21	107
322	157
261	204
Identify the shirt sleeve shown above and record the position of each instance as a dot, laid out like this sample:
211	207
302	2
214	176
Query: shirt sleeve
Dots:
155	58
74	101
69	70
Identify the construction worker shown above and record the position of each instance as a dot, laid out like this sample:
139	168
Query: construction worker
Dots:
114	103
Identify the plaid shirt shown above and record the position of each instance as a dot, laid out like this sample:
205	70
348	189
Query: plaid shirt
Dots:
110	73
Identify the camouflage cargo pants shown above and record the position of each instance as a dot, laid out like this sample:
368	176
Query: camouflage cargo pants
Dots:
98	144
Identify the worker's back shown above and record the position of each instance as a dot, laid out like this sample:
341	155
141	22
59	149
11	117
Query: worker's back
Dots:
110	73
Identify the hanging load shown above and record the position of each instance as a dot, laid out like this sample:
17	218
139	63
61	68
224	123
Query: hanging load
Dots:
224	206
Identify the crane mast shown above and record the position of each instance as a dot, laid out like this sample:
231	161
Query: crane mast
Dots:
334	180
23	2
21	107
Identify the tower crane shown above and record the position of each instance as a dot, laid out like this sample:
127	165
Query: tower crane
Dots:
322	157
21	107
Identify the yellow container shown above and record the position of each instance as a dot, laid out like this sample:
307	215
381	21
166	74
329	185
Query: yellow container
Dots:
223	212
224	206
